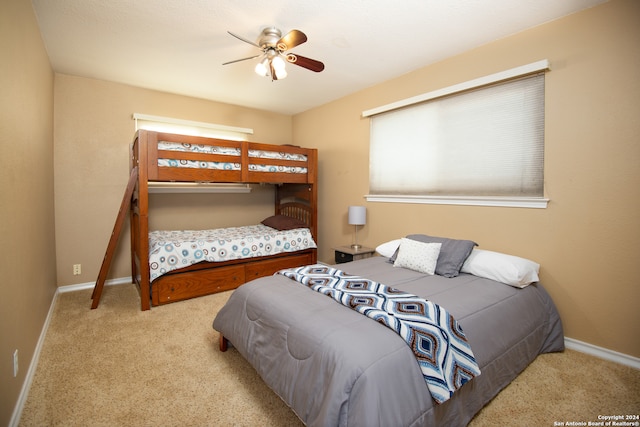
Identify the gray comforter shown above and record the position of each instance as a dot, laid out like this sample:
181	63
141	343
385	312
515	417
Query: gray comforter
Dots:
336	367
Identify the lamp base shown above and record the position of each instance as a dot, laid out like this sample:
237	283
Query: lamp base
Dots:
356	246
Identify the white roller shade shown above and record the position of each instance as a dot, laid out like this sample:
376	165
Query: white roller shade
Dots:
483	142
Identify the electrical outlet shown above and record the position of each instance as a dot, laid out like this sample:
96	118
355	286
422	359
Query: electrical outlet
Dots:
77	269
15	363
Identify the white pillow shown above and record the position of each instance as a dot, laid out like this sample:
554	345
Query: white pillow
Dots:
389	248
418	256
508	269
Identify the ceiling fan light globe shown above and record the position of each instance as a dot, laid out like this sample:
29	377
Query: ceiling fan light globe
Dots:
261	69
280	74
278	63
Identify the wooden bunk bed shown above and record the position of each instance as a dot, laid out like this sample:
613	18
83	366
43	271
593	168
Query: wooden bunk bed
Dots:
169	158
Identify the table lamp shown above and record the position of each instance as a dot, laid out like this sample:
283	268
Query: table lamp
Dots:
357	216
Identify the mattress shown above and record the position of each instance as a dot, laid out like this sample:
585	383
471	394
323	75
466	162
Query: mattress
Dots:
234	154
336	367
171	250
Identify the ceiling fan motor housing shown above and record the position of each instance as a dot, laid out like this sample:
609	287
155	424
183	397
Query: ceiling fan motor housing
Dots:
269	38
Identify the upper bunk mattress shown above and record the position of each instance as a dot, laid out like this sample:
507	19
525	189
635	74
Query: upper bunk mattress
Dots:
234	153
171	250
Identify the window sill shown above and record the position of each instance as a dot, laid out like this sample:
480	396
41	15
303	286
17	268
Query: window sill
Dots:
510	202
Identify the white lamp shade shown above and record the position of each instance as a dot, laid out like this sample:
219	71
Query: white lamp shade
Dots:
357	215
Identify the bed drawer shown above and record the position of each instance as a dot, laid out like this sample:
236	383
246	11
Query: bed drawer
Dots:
268	267
197	283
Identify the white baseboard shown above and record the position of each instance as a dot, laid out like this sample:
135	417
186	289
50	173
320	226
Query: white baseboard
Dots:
24	392
90	285
602	353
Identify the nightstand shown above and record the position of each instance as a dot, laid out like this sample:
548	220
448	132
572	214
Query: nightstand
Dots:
347	253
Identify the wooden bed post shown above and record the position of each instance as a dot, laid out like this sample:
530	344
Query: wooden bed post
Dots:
312	179
138	213
223	343
143	216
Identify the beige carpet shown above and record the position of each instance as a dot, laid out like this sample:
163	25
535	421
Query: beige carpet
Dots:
119	366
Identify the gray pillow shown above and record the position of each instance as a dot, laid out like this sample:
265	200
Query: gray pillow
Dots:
453	253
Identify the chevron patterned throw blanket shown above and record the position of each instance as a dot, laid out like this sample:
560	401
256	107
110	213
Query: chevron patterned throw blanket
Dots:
438	343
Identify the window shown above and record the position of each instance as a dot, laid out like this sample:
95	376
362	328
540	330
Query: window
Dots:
479	143
189	127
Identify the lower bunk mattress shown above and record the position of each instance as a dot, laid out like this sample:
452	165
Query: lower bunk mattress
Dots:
192	263
335	367
173	250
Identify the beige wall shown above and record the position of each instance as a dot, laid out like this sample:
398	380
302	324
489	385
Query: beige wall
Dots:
587	239
93	133
27	253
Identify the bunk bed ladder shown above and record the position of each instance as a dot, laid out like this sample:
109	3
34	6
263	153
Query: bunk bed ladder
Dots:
113	241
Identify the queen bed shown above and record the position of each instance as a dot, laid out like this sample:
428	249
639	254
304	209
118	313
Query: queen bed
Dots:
336	367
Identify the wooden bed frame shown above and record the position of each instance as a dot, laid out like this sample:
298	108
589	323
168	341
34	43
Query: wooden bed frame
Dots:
295	196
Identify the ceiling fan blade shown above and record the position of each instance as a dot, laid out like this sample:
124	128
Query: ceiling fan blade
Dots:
243	59
244	40
308	63
272	71
290	40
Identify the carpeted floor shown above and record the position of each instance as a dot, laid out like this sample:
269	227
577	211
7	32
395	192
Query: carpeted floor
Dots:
119	366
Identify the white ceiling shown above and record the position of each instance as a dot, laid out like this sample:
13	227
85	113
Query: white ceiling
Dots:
178	46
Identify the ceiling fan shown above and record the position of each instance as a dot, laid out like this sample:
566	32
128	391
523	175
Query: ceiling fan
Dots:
274	47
